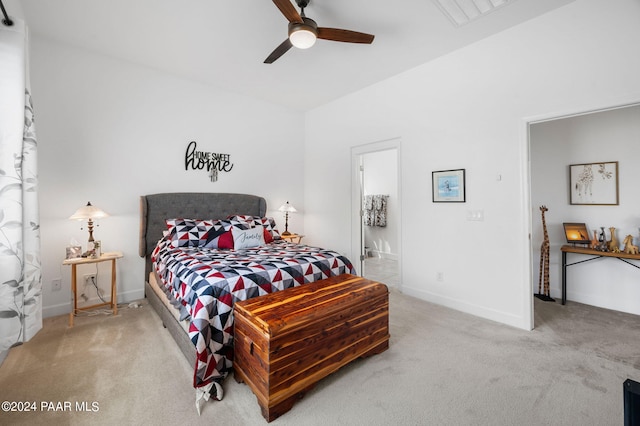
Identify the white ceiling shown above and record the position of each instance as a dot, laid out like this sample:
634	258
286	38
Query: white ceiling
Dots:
224	42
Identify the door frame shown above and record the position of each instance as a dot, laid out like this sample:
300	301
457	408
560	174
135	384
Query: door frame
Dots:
527	122
357	228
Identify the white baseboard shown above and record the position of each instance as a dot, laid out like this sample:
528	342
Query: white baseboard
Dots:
479	311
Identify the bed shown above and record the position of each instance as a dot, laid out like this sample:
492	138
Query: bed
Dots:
189	266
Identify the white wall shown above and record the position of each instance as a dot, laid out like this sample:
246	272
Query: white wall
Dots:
381	177
612	135
469	110
110	131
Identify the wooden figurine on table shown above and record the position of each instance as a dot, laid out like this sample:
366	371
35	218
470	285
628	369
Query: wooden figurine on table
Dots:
629	248
612	244
544	261
602	241
594	241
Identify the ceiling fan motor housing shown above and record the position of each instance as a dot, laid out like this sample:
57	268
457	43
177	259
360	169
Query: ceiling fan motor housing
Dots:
308	24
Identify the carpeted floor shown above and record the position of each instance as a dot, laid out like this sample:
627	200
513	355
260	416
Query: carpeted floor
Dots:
442	368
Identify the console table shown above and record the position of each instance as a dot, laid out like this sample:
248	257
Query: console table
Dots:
596	255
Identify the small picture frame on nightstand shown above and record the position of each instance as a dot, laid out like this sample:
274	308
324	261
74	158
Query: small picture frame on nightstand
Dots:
74	252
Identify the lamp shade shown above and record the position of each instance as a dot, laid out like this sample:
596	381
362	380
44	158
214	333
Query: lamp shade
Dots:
303	38
303	34
88	212
286	207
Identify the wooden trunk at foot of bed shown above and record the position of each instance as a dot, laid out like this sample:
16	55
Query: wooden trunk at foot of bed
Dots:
287	341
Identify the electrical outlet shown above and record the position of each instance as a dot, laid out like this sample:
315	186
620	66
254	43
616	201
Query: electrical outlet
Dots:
440	276
56	284
90	279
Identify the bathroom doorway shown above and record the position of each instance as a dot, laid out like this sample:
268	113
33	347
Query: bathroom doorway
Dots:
378	211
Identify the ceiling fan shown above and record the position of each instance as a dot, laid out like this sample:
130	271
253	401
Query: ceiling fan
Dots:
304	31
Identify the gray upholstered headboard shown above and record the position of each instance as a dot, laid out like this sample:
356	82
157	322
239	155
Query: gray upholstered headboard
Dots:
156	208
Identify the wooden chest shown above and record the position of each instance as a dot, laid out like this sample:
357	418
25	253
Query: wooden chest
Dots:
286	341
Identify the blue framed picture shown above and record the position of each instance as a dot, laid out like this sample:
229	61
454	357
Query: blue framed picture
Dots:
448	186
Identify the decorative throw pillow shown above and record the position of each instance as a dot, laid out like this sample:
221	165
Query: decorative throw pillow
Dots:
203	233
188	232
247	238
268	223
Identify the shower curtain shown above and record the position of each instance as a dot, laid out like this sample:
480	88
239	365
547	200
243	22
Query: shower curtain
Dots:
20	270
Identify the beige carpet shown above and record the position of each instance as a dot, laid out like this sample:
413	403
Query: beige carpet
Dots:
442	368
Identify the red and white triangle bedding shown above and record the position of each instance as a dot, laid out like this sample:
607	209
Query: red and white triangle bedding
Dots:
209	281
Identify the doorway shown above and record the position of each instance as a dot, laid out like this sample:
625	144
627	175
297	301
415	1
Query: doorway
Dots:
555	142
376	211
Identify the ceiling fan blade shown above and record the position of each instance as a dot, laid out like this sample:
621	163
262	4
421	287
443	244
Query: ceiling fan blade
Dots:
279	51
347	36
288	10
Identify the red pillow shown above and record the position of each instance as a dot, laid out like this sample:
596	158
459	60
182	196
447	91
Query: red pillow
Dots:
225	241
267	236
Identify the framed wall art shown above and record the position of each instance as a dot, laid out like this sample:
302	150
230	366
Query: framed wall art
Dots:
448	186
74	252
594	184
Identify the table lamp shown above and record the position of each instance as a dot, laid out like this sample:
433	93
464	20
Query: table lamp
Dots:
287	208
89	213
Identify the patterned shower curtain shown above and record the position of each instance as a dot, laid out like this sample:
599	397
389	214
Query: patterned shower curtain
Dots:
20	271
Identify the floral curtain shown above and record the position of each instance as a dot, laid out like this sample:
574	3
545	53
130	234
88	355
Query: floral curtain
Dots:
20	271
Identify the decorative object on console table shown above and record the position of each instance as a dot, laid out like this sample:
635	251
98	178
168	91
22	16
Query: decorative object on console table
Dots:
74	252
89	213
602	241
544	261
576	233
612	244
594	242
448	186
113	303
286	208
629	248
594	183
286	341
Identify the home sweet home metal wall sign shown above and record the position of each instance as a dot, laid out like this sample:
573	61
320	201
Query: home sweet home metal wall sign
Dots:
212	162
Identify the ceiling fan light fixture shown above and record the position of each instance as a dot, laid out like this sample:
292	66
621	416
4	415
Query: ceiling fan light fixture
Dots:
303	32
302	36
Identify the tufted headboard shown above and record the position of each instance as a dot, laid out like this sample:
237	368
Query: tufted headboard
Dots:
156	208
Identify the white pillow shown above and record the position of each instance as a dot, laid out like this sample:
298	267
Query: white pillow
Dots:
247	238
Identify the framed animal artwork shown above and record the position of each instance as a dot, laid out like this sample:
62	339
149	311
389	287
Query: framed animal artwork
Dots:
594	184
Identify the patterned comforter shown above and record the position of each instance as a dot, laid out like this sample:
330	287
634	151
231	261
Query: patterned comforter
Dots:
207	282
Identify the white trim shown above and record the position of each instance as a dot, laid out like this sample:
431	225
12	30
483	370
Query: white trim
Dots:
356	153
466	307
525	160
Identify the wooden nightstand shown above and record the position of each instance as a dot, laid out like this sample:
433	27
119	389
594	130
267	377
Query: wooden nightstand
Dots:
74	285
292	237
